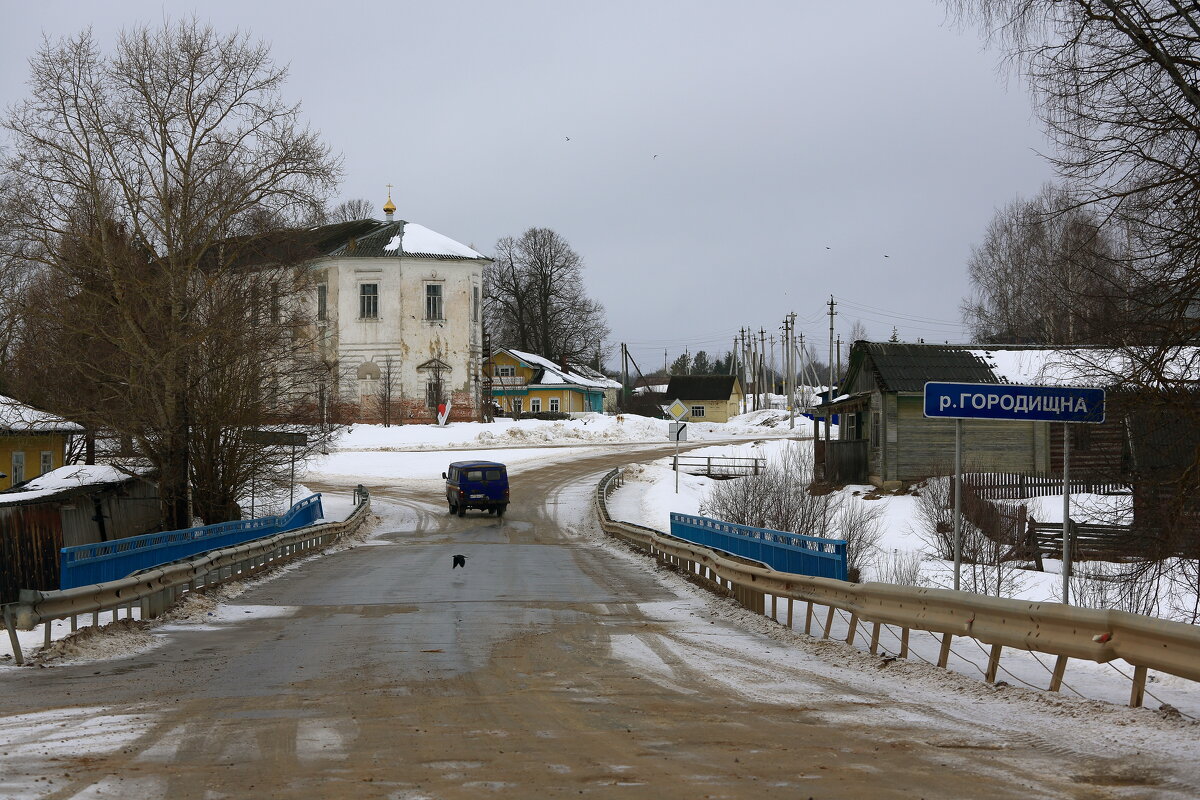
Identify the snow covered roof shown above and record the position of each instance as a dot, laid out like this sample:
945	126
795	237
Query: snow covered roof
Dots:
554	374
71	479
904	367
16	417
396	238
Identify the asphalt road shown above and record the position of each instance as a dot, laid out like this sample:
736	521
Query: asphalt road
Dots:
386	674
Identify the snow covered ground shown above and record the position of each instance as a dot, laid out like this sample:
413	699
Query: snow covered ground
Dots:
649	496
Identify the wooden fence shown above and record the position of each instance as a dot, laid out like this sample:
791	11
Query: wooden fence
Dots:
1016	486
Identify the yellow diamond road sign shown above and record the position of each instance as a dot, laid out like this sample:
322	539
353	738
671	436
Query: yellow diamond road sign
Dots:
677	410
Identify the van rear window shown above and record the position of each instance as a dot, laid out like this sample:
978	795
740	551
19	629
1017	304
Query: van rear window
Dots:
474	474
493	474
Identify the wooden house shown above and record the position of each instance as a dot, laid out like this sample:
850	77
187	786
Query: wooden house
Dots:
32	442
710	398
526	383
885	439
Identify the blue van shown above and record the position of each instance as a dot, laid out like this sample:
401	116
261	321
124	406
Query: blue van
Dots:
477	484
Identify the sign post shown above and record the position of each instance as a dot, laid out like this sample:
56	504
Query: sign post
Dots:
1004	401
677	431
277	439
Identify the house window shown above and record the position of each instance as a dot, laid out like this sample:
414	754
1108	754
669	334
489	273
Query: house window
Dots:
368	301
505	372
433	394
517	406
322	302
47	462
554	404
697	411
474	303
368	381
875	428
535	405
18	467
433	301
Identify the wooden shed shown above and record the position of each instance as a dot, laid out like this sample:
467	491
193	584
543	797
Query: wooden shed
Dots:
73	505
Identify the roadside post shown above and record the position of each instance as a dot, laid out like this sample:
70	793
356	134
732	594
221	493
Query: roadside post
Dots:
279	439
677	432
1003	401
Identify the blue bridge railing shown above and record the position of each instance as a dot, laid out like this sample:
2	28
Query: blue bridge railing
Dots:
86	564
786	552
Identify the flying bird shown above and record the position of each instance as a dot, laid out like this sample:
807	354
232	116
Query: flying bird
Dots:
885	255
458	561
827	247
568	138
656	155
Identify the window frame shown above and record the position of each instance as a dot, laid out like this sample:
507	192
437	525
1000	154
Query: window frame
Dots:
365	300
697	411
322	302
46	461
535	405
554	405
17	473
436	302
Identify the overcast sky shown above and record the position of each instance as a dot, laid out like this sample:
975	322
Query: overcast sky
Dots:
803	148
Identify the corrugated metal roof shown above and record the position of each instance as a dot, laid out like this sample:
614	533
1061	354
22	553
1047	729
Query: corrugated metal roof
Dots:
385	239
701	387
904	367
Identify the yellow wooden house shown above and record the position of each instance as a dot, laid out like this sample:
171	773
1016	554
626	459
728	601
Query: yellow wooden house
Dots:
32	442
525	383
709	398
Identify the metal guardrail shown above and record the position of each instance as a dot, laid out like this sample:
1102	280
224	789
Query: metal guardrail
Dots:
786	552
155	590
721	466
98	562
1053	628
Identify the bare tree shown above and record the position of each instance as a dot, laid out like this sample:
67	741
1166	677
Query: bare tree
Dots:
351	210
1047	272
389	380
146	190
536	301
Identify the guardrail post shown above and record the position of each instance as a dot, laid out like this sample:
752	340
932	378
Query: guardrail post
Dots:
46	625
808	618
18	656
874	638
853	628
944	654
1056	677
993	663
789	622
74	622
904	642
828	623
1137	695
774	609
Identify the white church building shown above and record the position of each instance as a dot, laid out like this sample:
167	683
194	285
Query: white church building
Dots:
399	314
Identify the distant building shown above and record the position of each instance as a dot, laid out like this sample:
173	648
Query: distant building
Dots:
710	398
399	314
32	442
528	383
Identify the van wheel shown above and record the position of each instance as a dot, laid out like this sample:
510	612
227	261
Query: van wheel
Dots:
500	510
453	508
462	510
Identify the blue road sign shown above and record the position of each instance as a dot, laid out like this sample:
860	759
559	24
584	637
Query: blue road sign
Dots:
1014	402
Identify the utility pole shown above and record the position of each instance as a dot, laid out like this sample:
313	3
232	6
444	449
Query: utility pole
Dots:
624	377
762	365
839	355
829	396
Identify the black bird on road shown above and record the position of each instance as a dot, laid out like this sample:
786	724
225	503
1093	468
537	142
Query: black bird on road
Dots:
459	561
